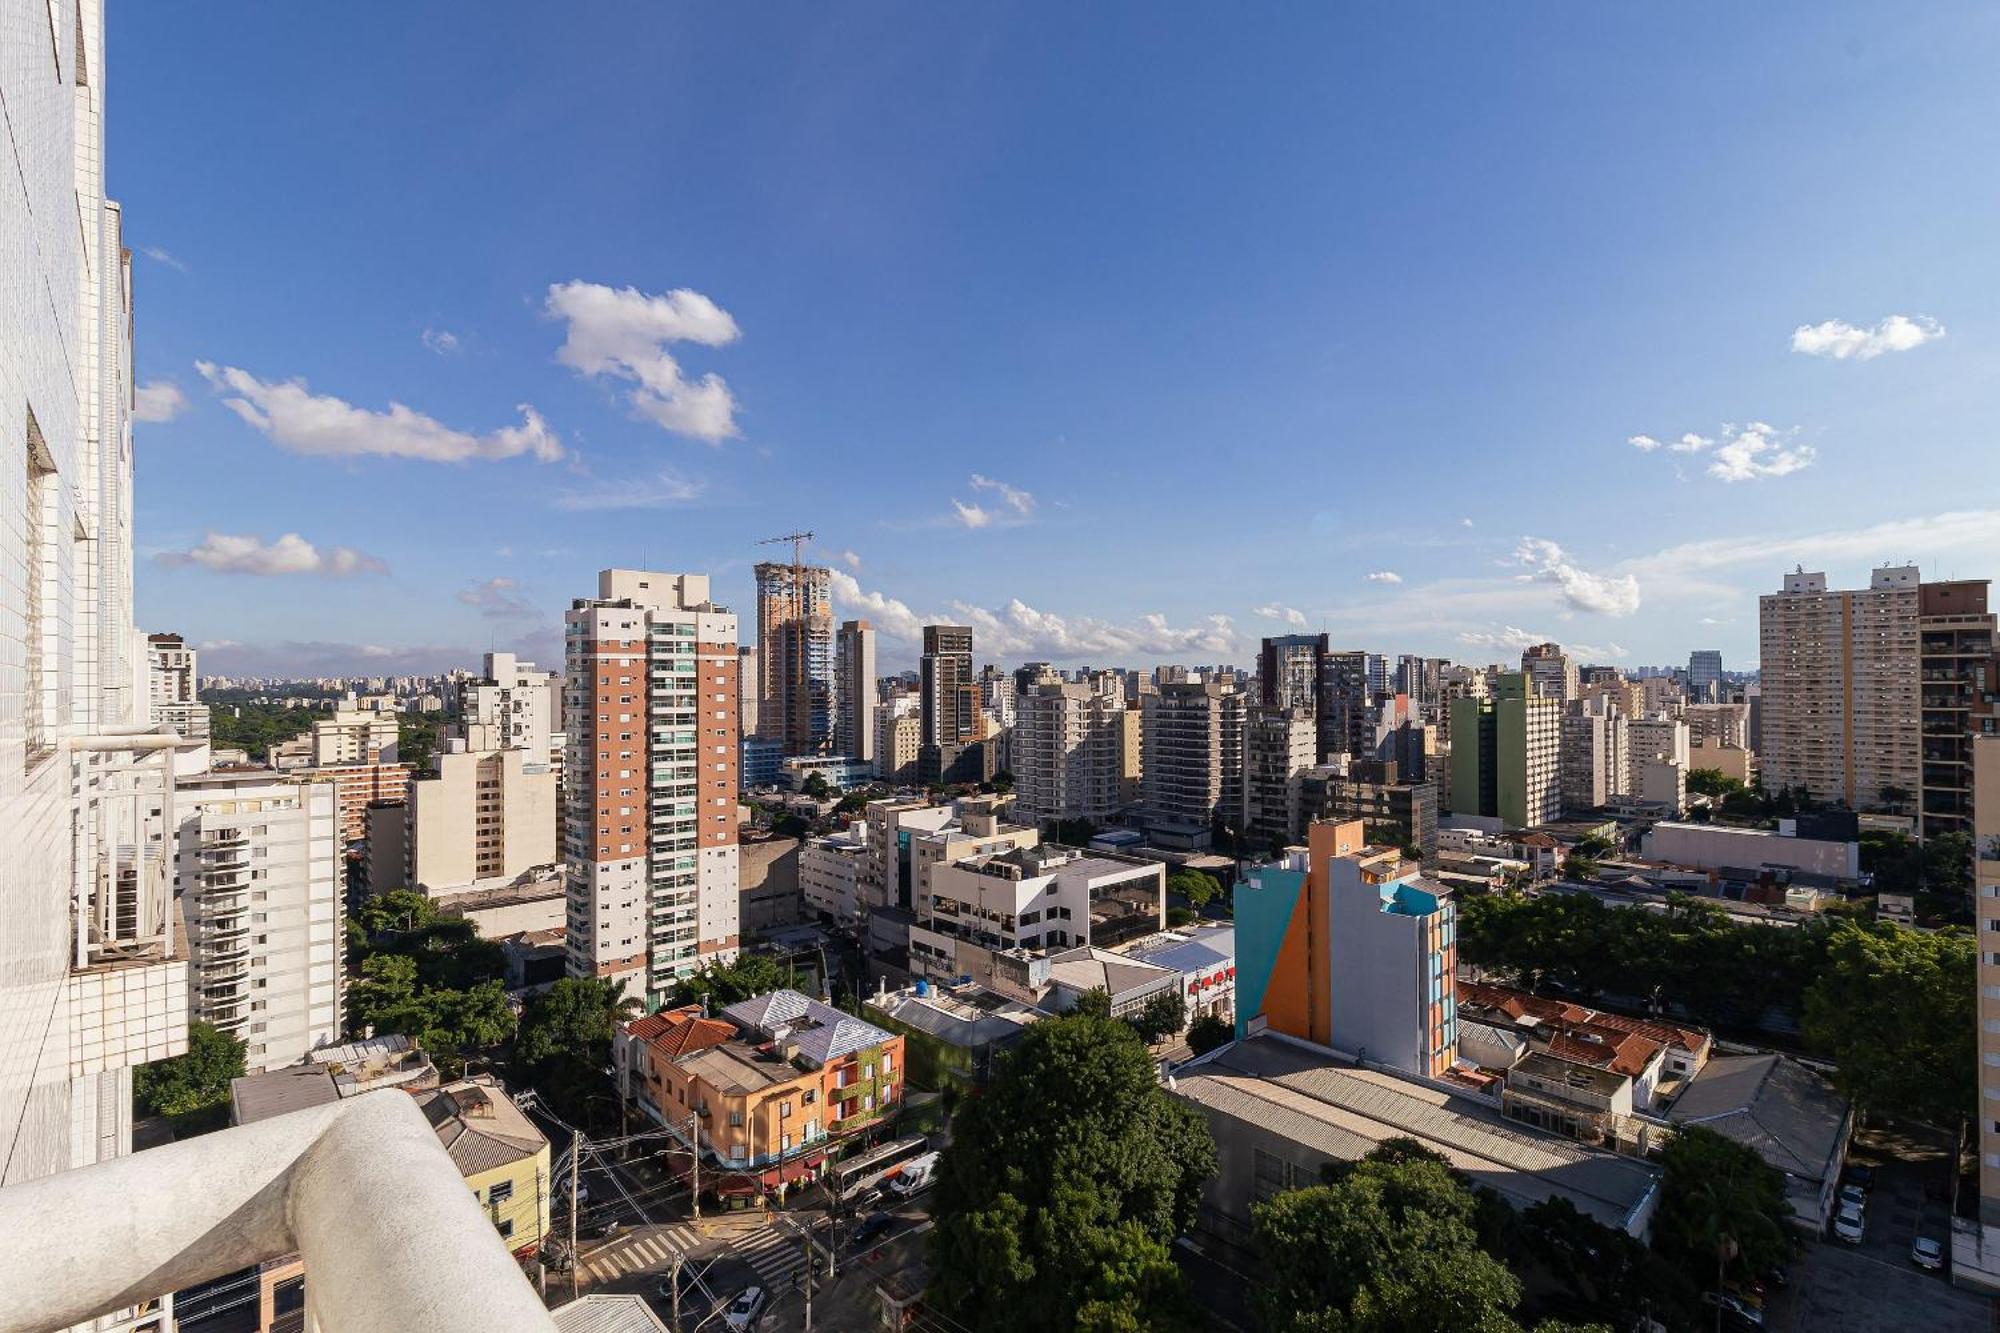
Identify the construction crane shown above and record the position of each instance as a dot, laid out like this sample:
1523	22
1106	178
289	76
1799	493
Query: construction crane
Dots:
798	717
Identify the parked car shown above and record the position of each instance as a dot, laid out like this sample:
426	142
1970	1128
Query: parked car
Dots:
744	1312
1736	1313
874	1227
1927	1253
1848	1226
1854	1194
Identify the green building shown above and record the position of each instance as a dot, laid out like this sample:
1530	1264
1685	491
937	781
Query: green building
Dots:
1506	755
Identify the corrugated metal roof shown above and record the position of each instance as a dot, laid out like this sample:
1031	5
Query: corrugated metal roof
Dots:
607	1314
1787	1113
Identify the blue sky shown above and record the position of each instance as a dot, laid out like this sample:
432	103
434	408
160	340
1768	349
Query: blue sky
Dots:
1124	333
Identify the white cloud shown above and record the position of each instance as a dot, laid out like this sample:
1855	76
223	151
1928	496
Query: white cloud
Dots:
1291	615
159	256
1686	444
1892	540
1599	594
1018	631
851	560
499	598
1755	451
1013	507
625	333
1465	522
158	400
297	419
223	553
1383	576
662	491
1841	341
1509	639
442	341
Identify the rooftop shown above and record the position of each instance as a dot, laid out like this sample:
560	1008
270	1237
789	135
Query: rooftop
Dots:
1516	1005
1100	969
1340	1110
480	1126
1790	1115
822	1033
607	1312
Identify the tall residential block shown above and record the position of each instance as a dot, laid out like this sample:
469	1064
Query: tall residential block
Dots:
485	815
1653	740
795	656
1506	754
650	669
1280	745
355	736
748	684
1841	714
948	707
855	692
1956	655
1595	765
1976	1251
1288	670
261	877
1193	760
174	695
1067	747
1349	946
95	977
1550	671
511	705
1705	676
1346	706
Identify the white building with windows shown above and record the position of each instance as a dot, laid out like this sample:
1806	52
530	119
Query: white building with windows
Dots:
830	873
259	871
173	694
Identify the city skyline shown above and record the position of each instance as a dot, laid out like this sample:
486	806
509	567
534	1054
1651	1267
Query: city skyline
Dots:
1517	375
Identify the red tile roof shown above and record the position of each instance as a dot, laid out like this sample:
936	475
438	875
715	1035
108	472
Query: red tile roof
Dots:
677	1032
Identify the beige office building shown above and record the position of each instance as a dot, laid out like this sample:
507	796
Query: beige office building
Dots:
354	736
486	815
1839	672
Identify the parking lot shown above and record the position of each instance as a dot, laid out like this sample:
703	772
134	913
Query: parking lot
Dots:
1873	1287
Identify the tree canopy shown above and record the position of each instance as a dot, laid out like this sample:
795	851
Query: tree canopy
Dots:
1198	887
1722	1207
726	983
1895	1010
1064	1186
192	1089
427	977
564	1042
1208	1032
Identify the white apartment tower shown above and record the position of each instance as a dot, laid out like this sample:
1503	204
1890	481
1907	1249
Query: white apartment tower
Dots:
854	691
1594	764
650	801
94	981
1068	747
258	861
355	736
1839	673
173	695
513	706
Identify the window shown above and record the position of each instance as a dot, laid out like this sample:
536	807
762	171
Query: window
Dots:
506	1226
784	1110
501	1192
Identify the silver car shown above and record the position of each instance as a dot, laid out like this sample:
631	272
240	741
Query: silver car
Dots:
1927	1253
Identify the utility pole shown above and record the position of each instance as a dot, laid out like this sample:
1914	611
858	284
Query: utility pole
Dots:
575	1170
694	1162
676	1278
810	1276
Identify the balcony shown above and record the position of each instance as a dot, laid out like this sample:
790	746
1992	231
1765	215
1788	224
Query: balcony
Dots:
361	1189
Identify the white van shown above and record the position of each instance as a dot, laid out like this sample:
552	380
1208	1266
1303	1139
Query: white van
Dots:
916	1174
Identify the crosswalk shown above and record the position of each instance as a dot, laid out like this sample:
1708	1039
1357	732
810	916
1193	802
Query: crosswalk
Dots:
774	1251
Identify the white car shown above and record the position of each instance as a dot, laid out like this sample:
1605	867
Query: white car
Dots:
1853	1194
1848	1225
744	1311
1926	1253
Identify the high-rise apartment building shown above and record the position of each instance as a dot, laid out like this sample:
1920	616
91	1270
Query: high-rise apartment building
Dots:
650	801
1506	754
258	860
512	706
95	980
1841	714
948	702
485	815
748	685
1595	764
1956	655
1721	724
1550	671
1378	676
1067	746
355	736
795	656
1193	760
899	737
174	694
855	691
1705	676
1650	740
1346	711
1280	745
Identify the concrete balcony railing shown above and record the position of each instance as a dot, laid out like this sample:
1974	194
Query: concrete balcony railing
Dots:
361	1190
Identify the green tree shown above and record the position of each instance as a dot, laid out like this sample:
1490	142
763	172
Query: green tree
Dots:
1388	1246
1163	1015
1071	832
564	1042
852	803
1895	1010
1602	1272
1947	864
1064	1186
417	740
1722	1208
395	913
1093	1003
192	1089
1208	1032
816	786
726	983
1712	782
1197	887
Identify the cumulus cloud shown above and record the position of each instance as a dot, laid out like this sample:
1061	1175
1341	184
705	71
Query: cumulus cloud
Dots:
499	598
1599	594
442	341
851	560
295	418
1012	505
1757	451
1019	631
159	256
664	490
1291	615
158	400
224	553
1841	341
1686	444
1383	576
1509	639
624	333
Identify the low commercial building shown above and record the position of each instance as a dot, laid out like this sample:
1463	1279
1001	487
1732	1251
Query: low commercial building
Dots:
1280	1110
1716	846
1655	1053
768	1083
1035	900
952	1034
1131	983
1204	957
1791	1116
534	902
838	770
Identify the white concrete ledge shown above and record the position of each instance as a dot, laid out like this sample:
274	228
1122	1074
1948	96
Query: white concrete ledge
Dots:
391	1236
